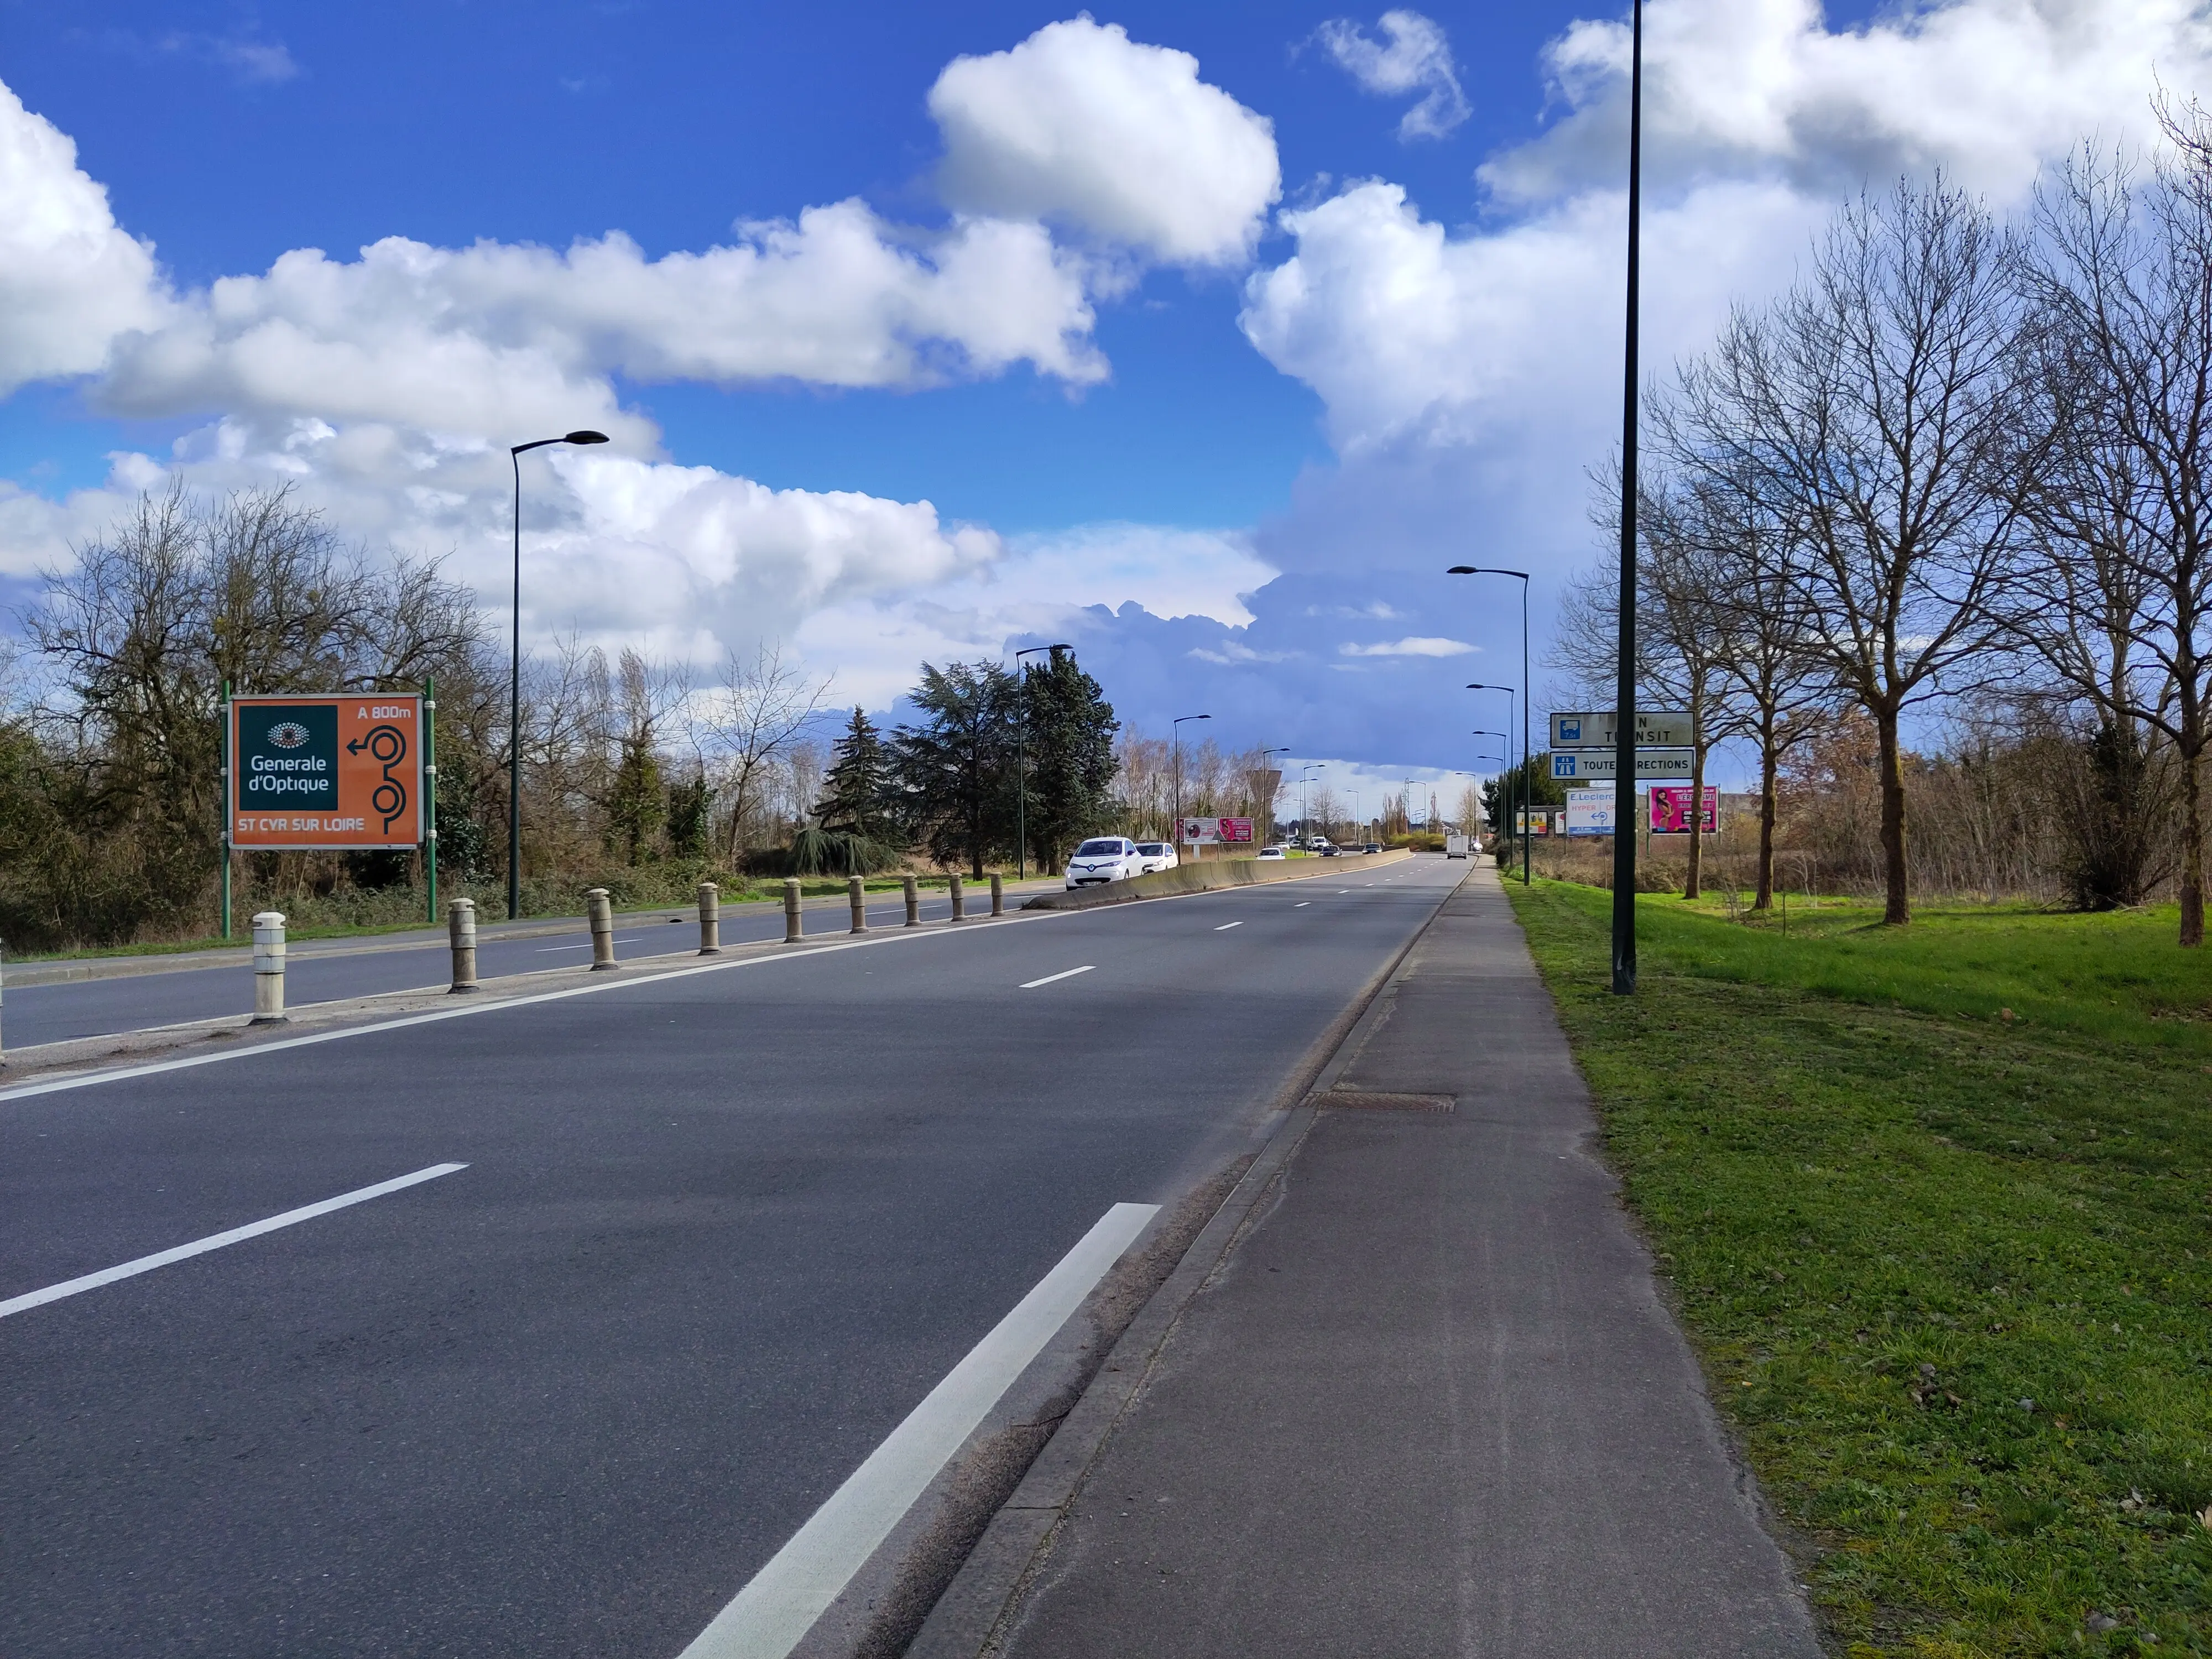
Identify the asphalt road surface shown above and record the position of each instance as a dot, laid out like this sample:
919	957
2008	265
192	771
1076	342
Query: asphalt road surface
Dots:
133	1002
715	1237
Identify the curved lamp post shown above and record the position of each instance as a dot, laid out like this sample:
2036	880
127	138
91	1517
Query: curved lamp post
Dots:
1022	764
1511	698
1305	824
1492	571
1281	749
1175	731
515	679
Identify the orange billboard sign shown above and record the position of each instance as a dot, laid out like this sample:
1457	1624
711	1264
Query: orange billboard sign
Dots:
339	772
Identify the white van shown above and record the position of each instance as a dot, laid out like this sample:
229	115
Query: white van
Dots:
1454	847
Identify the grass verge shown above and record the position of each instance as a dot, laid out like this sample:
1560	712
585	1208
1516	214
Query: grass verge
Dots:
1947	1269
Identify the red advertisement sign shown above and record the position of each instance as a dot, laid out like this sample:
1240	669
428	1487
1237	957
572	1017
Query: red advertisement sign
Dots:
1236	829
1670	809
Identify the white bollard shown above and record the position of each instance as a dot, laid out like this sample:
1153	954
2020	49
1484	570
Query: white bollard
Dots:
269	969
793	929
601	910
461	930
857	891
959	901
998	895
913	901
710	919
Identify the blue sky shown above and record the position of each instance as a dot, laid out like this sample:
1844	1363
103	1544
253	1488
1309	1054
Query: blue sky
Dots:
1219	409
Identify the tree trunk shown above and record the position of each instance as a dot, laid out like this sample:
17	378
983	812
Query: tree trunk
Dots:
1767	767
1897	905
1697	816
2192	851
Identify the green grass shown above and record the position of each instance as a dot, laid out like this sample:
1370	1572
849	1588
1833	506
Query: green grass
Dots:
1892	1216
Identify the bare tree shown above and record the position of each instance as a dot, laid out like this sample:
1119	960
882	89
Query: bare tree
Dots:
2121	281
1876	407
761	708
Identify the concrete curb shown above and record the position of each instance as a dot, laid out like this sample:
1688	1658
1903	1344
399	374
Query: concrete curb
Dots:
1189	879
986	1596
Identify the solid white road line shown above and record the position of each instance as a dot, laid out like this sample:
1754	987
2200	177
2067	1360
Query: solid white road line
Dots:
780	1606
146	1264
498	1005
1226	925
1031	985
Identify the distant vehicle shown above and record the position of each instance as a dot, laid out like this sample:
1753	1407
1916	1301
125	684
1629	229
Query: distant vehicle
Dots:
1103	859
1373	847
1316	843
1157	855
1454	847
1327	850
1272	853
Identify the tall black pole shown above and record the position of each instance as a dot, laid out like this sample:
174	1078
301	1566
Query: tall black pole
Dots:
515	716
514	678
1624	699
1524	726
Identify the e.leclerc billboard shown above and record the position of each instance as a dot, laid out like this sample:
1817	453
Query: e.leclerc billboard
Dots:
334	773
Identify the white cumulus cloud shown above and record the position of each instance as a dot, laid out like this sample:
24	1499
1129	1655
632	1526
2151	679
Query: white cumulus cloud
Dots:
70	278
1081	125
1414	56
485	339
1414	644
1991	89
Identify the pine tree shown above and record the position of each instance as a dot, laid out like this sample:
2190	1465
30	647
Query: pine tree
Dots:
955	769
1069	729
860	795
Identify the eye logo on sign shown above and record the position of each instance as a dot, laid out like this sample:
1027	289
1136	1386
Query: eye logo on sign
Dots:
288	734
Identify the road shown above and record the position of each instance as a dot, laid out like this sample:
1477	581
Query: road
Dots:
716	1236
133	1002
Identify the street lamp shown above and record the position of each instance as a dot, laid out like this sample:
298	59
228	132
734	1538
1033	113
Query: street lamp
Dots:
1512	696
1175	731
1492	571
1305	824
1270	807
514	680
1624	696
1022	764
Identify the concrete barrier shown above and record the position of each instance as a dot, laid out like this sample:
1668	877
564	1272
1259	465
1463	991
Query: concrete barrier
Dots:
1212	875
268	968
600	909
710	918
461	933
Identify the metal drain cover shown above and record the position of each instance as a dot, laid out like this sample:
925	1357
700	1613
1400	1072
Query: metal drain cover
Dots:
1363	1100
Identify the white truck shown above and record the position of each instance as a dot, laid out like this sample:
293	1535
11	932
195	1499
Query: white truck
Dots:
1454	847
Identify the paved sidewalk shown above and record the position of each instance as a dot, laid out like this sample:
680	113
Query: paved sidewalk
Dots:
1431	1403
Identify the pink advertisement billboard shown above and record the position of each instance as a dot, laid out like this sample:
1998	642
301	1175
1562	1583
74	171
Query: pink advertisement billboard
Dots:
1670	809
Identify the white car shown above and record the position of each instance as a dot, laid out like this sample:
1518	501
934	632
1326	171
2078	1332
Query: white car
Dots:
1103	859
1272	853
1157	855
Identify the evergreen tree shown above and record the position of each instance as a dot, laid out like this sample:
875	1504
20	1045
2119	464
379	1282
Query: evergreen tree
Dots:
1070	748
955	769
861	795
